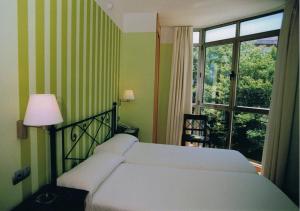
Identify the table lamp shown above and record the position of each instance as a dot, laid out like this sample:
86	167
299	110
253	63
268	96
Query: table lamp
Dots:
43	111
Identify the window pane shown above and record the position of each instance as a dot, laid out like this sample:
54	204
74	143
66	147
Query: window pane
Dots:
256	71
195	71
268	23
196	37
220	33
249	132
218	122
217	70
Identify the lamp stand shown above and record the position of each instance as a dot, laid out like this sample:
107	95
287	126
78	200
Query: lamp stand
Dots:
52	133
49	197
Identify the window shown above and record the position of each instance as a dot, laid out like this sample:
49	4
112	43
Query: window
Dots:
217	69
256	70
196	59
195	72
266	23
233	82
196	37
221	33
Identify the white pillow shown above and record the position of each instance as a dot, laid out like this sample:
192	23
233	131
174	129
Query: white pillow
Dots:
89	174
118	144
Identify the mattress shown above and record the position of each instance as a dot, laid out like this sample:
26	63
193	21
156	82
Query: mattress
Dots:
188	157
146	187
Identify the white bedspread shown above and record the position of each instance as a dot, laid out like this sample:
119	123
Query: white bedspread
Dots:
140	187
188	157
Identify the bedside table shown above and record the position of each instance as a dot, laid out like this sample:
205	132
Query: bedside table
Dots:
130	131
66	199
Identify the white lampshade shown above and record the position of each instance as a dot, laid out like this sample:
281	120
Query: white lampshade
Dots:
128	95
42	110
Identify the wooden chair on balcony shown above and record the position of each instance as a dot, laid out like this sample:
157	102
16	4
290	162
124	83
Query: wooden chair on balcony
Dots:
195	130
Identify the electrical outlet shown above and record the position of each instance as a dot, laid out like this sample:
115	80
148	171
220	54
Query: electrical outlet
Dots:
26	172
17	177
20	175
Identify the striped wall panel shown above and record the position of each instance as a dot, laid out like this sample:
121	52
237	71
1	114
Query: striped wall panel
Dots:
69	48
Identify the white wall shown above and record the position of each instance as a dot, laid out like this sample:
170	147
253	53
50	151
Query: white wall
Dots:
139	22
9	105
167	35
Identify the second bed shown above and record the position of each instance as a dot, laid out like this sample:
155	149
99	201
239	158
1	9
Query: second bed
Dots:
176	156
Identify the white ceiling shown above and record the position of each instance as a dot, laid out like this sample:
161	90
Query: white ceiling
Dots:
198	13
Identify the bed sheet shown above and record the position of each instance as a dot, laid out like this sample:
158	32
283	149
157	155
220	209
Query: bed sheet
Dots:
140	187
188	157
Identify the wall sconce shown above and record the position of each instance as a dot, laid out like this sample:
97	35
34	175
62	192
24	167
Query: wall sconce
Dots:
128	96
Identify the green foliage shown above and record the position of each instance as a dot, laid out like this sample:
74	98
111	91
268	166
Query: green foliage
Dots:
195	70
217	69
218	126
256	70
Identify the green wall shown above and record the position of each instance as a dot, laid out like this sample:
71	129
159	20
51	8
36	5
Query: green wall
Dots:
137	73
164	88
68	48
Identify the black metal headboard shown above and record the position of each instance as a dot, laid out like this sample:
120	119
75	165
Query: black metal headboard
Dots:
78	139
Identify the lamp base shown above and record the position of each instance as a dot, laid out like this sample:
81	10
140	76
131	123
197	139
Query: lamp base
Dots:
45	198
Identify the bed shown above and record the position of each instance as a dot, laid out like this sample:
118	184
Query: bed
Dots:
137	187
116	180
176	156
115	185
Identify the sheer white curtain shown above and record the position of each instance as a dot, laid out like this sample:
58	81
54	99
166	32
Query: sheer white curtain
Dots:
180	98
283	97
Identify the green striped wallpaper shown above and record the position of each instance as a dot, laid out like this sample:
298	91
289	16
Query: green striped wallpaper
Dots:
70	48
